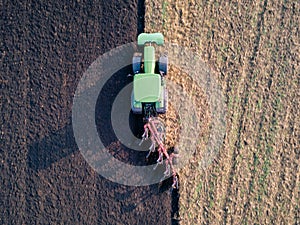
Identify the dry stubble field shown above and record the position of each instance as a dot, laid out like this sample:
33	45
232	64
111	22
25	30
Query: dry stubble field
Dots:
253	47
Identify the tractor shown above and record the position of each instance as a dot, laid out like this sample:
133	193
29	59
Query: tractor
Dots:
149	88
149	98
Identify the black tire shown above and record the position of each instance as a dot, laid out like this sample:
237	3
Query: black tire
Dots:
163	64
175	159
136	62
164	109
165	101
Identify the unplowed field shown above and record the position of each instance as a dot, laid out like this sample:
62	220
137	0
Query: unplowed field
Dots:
254	49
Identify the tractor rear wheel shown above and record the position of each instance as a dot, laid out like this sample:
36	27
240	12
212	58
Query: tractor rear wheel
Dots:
163	64
166	101
175	159
164	109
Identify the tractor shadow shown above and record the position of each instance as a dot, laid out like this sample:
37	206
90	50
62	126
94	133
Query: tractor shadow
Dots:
61	143
103	112
51	148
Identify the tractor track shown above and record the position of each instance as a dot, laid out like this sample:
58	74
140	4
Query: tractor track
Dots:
260	131
244	105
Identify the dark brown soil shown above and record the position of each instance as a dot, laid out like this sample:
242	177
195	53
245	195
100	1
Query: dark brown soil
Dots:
45	49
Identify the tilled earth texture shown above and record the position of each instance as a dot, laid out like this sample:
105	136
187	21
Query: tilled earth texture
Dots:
46	46
253	48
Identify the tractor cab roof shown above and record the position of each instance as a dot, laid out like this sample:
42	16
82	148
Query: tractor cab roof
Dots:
144	38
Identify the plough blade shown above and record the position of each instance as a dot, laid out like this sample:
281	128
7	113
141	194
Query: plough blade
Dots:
155	129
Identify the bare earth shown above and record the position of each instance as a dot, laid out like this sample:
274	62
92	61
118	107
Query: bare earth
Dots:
45	49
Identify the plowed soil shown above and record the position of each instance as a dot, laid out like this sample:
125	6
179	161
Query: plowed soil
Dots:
45	49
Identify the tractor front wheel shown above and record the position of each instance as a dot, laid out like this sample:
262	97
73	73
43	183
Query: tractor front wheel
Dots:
136	62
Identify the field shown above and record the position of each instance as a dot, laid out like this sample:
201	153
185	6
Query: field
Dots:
45	49
253	49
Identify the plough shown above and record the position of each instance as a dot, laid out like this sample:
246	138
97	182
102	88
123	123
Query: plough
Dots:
157	135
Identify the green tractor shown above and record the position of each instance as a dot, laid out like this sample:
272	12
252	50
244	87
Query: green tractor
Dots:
149	95
149	98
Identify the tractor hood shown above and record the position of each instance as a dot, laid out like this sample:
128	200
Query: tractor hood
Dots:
147	87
